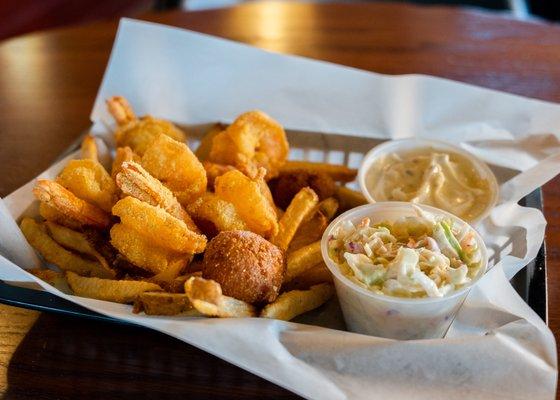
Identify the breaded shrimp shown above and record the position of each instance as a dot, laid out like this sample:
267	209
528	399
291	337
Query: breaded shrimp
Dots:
89	149
135	181
65	202
139	133
122	155
175	165
89	181
250	200
253	138
121	110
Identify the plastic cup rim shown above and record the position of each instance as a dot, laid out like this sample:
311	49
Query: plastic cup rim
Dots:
335	270
381	149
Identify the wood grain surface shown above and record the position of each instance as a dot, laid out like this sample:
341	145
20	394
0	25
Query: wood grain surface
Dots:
48	82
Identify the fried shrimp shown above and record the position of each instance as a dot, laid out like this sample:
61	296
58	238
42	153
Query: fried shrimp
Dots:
135	181
214	170
214	215
253	138
203	149
121	110
141	251
250	201
123	154
53	215
175	165
89	181
162	228
139	133
89	150
65	202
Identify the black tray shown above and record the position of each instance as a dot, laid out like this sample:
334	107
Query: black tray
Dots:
530	283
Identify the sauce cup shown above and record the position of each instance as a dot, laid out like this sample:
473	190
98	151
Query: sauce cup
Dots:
405	145
388	316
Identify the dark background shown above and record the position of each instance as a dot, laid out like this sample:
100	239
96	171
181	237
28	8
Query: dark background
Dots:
22	16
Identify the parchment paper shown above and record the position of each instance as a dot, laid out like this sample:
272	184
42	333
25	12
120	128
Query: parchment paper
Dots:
496	348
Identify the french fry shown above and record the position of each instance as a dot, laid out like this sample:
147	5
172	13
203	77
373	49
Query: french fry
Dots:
309	231
65	202
338	173
160	303
168	275
315	275
88	149
108	289
328	207
302	260
37	236
291	304
299	208
53	278
78	242
348	198
206	296
177	285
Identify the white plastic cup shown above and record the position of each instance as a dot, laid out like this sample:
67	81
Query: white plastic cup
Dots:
388	316
410	144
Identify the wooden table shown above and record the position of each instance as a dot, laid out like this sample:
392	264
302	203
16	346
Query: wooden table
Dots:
48	82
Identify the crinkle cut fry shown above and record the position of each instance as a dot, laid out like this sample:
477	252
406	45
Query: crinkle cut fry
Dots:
135	181
64	201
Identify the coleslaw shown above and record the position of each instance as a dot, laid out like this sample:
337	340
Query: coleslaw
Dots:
413	257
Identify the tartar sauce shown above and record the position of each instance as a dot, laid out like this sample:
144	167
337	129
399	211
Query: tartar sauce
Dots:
446	180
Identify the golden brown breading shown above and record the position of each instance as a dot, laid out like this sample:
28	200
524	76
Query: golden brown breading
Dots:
159	226
254	138
89	181
248	267
135	181
250	200
175	165
138	134
214	215
65	202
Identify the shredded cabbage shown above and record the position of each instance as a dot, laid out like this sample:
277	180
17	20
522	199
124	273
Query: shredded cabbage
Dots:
416	256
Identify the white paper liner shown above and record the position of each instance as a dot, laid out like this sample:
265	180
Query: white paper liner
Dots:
496	348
